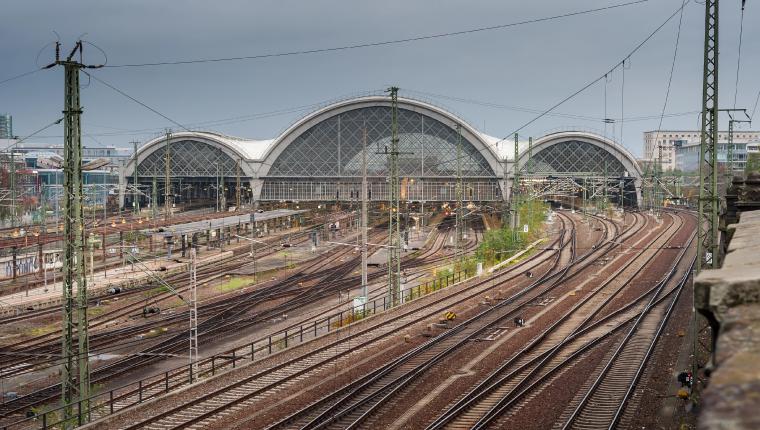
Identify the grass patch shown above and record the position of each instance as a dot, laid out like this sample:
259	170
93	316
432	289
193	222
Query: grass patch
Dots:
236	283
349	318
498	245
156	291
95	311
41	330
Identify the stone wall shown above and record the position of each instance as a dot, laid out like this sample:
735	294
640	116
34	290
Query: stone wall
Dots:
730	296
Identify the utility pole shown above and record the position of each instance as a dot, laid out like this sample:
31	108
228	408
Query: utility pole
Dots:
528	168
516	186
154	198
237	185
167	180
12	180
394	224
585	196
365	293
223	195
707	225
729	168
135	195
75	378
194	314
657	179
459	213
505	202
604	202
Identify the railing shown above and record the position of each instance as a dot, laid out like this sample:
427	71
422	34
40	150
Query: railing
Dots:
128	395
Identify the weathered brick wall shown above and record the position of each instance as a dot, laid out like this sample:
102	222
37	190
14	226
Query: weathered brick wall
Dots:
732	295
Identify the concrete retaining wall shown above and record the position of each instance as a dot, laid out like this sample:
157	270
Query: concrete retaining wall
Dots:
731	297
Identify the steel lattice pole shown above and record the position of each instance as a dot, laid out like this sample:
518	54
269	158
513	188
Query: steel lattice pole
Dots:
167	180
74	386
707	227
394	224
459	213
516	186
135	195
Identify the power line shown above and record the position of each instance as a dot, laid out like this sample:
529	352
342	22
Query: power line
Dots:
602	76
380	43
533	110
58	121
13	78
216	122
739	56
670	77
135	100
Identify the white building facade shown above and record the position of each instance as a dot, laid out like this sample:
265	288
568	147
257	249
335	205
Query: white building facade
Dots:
679	147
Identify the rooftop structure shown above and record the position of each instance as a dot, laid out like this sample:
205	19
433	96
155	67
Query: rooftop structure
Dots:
678	144
318	158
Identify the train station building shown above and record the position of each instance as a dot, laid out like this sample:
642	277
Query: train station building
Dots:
319	158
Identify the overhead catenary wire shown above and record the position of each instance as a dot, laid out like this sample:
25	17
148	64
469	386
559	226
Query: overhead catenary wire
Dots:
739	55
135	100
13	78
600	77
670	76
58	121
622	99
216	122
379	43
533	110
589	84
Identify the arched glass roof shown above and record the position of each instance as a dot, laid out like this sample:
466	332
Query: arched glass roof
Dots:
189	158
573	156
333	147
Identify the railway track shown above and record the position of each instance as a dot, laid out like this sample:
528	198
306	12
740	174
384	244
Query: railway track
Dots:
350	405
8	286
240	322
493	400
214	312
353	405
49	344
603	401
370	330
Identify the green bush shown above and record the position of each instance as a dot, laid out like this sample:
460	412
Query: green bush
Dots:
498	245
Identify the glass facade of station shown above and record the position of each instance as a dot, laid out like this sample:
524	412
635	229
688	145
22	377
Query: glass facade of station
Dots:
325	161
573	157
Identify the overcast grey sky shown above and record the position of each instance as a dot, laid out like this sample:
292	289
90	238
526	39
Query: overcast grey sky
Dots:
531	66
